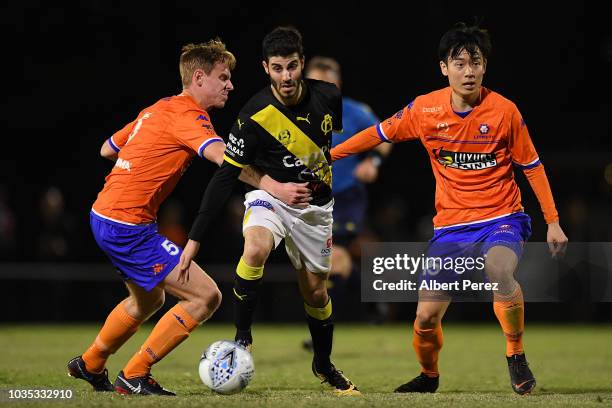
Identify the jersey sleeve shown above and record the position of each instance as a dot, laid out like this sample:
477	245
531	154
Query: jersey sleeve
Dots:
194	130
402	126
120	138
520	145
242	143
524	155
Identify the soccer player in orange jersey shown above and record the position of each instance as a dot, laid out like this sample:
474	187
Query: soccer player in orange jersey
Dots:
473	137
150	154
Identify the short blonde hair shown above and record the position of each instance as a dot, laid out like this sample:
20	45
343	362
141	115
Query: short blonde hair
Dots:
203	56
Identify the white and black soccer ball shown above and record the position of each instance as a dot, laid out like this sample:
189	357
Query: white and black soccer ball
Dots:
226	367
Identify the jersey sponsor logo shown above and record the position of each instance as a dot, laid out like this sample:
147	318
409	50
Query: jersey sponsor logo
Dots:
260	203
304	118
292	161
123	164
465	161
483	129
327	124
432	109
235	145
202	117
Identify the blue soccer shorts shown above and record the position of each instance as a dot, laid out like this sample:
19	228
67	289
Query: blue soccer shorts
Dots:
472	241
140	254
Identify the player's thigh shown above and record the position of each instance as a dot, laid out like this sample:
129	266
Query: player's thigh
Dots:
141	304
500	263
200	288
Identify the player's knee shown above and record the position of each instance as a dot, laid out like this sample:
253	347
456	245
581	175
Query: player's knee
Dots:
428	319
316	297
206	304
255	253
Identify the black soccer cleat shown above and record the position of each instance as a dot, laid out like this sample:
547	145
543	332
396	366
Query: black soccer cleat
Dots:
521	377
336	379
245	339
99	382
421	383
140	386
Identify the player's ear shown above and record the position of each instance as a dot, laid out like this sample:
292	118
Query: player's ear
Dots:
198	76
444	68
265	66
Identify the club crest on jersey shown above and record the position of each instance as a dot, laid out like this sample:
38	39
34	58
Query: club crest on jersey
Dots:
464	160
483	129
326	124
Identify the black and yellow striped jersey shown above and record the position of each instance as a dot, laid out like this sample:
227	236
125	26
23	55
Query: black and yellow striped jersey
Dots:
289	143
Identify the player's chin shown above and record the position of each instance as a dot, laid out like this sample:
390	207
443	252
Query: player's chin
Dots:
220	104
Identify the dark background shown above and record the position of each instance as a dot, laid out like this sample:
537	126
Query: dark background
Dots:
77	73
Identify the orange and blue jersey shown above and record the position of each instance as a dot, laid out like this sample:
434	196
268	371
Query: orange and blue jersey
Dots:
153	152
471	155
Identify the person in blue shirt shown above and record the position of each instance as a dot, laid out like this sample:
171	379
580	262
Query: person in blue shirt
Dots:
349	176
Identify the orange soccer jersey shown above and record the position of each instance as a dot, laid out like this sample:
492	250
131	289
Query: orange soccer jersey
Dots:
154	151
471	156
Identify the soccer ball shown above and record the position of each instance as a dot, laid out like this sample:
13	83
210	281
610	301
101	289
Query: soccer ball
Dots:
226	367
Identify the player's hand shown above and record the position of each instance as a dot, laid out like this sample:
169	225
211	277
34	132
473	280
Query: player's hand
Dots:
294	194
366	171
557	241
190	251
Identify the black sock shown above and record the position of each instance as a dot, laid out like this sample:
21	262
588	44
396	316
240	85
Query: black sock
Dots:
322	332
246	295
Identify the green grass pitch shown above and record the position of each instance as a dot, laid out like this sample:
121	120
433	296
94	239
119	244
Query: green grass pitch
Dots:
572	364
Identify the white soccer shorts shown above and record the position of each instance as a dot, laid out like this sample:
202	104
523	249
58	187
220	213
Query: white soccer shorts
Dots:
307	231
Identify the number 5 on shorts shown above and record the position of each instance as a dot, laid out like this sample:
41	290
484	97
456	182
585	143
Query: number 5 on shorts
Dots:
170	247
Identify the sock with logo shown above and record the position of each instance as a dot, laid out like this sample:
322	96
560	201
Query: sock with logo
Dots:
247	285
427	344
510	311
117	329
321	327
171	330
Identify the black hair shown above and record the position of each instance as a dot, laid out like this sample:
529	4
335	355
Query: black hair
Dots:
282	41
463	37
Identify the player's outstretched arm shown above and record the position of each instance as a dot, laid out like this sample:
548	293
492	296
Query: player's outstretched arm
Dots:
556	238
363	141
216	195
